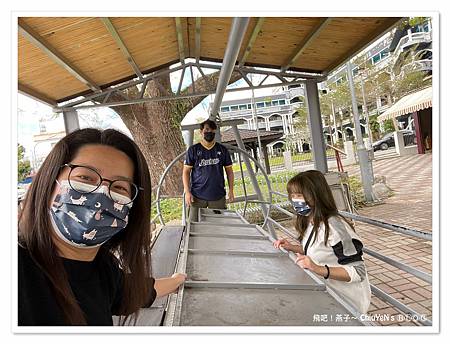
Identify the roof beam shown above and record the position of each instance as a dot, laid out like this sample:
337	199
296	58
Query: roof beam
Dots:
252	40
307	42
39	42
115	35
363	43
198	22
180	39
25	90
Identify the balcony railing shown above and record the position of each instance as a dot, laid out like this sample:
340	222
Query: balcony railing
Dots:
259	111
410	39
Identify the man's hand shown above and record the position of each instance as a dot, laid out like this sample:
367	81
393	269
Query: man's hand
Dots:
230	196
188	198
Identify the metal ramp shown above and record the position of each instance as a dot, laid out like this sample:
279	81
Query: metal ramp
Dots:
237	278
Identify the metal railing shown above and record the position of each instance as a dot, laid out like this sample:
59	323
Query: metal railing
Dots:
246	198
268	221
413	38
404	267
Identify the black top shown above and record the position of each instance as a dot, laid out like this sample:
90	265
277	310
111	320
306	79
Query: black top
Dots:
207	178
97	286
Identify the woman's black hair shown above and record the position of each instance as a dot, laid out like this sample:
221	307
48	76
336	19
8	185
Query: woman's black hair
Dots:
131	246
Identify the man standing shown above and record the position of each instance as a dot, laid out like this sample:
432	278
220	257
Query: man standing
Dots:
203	177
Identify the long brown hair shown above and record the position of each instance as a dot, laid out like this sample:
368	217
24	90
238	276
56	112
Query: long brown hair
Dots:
131	246
317	194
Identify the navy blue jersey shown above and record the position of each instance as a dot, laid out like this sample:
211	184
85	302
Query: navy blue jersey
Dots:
207	178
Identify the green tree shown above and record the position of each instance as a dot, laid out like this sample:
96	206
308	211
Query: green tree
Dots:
23	167
388	126
301	124
375	127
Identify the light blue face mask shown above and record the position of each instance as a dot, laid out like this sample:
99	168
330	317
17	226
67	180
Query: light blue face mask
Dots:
300	207
88	219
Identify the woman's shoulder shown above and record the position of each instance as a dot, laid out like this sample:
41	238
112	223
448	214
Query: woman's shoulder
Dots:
23	253
340	228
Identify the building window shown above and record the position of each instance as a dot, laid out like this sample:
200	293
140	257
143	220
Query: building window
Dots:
243	107
384	53
249	106
275	103
234	107
224	109
282	102
376	58
268	104
259	105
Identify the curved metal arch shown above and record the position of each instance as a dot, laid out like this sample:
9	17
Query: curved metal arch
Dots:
231	149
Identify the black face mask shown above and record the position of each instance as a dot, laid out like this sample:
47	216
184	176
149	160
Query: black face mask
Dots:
209	136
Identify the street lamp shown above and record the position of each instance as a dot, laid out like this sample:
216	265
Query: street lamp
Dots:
363	74
364	163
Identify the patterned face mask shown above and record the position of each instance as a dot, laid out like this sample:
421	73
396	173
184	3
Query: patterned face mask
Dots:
87	219
300	206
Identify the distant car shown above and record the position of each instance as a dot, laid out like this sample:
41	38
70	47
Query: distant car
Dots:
22	188
388	140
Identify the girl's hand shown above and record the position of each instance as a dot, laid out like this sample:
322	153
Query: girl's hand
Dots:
282	243
306	262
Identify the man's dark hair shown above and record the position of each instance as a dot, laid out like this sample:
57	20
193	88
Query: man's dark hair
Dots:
210	123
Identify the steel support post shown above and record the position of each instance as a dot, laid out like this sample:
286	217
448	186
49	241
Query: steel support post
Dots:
315	126
71	122
237	33
251	173
190	137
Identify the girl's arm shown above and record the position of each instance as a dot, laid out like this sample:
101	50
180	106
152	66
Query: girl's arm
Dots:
336	273
283	243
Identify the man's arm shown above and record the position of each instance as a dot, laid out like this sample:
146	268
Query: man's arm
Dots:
186	184
230	178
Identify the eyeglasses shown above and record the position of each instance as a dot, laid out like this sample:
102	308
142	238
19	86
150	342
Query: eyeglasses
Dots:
121	191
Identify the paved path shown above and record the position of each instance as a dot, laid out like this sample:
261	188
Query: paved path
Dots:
411	180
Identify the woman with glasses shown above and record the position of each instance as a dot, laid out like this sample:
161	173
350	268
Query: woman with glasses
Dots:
84	234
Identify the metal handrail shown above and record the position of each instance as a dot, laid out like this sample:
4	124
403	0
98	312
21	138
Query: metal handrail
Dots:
336	149
259	166
183	210
243	184
404	267
386	225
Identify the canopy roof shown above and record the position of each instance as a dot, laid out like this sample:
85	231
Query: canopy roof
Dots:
65	57
249	136
416	101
